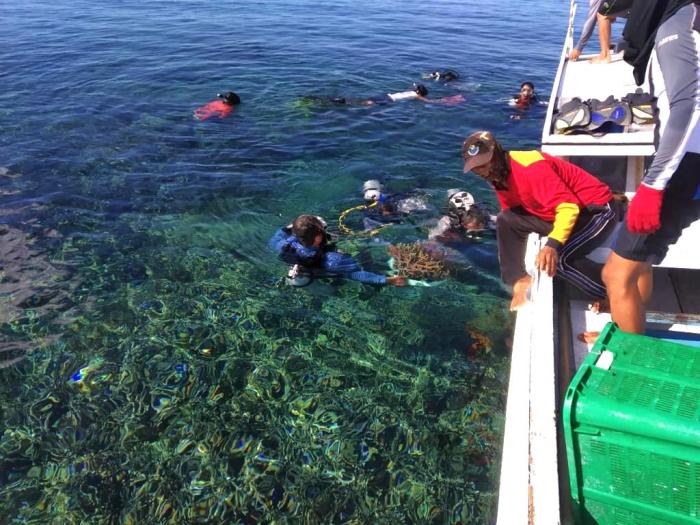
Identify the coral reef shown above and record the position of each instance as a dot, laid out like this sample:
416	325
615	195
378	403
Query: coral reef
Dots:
190	389
415	262
480	341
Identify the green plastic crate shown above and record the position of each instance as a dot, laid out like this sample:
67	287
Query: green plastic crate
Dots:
632	431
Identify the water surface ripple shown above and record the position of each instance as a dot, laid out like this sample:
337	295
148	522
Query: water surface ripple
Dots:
154	369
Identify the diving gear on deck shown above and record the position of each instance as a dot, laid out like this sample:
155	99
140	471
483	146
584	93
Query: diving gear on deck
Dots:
609	110
642	106
594	116
573	115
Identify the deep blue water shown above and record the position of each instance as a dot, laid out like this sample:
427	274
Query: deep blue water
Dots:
133	249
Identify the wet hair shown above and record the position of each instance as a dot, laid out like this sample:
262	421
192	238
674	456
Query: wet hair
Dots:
529	84
306	228
421	90
230	98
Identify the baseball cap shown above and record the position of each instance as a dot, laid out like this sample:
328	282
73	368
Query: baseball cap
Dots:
477	149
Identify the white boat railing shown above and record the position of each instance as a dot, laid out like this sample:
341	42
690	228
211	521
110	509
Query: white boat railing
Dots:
529	483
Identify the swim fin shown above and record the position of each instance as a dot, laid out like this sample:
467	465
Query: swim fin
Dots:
573	115
609	110
642	106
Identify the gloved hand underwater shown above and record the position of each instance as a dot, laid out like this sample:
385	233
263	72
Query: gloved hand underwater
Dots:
644	212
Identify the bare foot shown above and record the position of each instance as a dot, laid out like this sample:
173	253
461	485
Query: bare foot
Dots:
600	306
520	288
588	337
600	59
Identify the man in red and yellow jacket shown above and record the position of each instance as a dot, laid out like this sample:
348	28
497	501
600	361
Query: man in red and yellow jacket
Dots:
546	195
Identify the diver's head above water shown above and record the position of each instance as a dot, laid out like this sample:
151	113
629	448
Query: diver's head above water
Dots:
459	200
527	89
310	230
447	75
420	90
371	190
230	98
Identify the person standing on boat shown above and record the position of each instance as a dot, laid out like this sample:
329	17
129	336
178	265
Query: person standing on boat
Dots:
604	12
546	195
668	199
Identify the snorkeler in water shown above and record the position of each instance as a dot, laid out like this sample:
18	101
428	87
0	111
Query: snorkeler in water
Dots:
306	245
419	92
447	75
382	208
218	108
465	218
526	96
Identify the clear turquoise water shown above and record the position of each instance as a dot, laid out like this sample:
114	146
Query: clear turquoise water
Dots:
156	372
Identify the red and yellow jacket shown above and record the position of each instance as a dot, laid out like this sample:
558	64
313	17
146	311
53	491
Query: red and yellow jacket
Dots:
553	190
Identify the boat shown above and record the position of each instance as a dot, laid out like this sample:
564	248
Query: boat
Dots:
535	478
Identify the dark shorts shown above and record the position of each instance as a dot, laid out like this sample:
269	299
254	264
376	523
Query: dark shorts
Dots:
679	210
615	8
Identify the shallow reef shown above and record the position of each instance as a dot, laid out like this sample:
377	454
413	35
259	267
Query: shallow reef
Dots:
190	387
416	262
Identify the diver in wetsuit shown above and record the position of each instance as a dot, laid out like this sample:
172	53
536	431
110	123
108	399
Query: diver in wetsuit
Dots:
447	75
382	208
465	218
305	244
419	92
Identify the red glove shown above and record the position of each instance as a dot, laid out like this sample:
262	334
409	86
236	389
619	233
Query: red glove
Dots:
644	213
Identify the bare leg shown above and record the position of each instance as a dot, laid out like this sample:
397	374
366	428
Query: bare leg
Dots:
629	284
604	30
520	288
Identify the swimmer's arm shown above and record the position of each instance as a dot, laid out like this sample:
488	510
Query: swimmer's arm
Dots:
278	240
346	266
367	277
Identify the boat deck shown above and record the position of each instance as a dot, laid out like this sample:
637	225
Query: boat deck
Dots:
546	351
597	81
675	306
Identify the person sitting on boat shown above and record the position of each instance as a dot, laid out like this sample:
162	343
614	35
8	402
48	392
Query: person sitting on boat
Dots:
604	13
665	35
465	218
419	92
546	195
218	108
305	244
526	96
448	75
